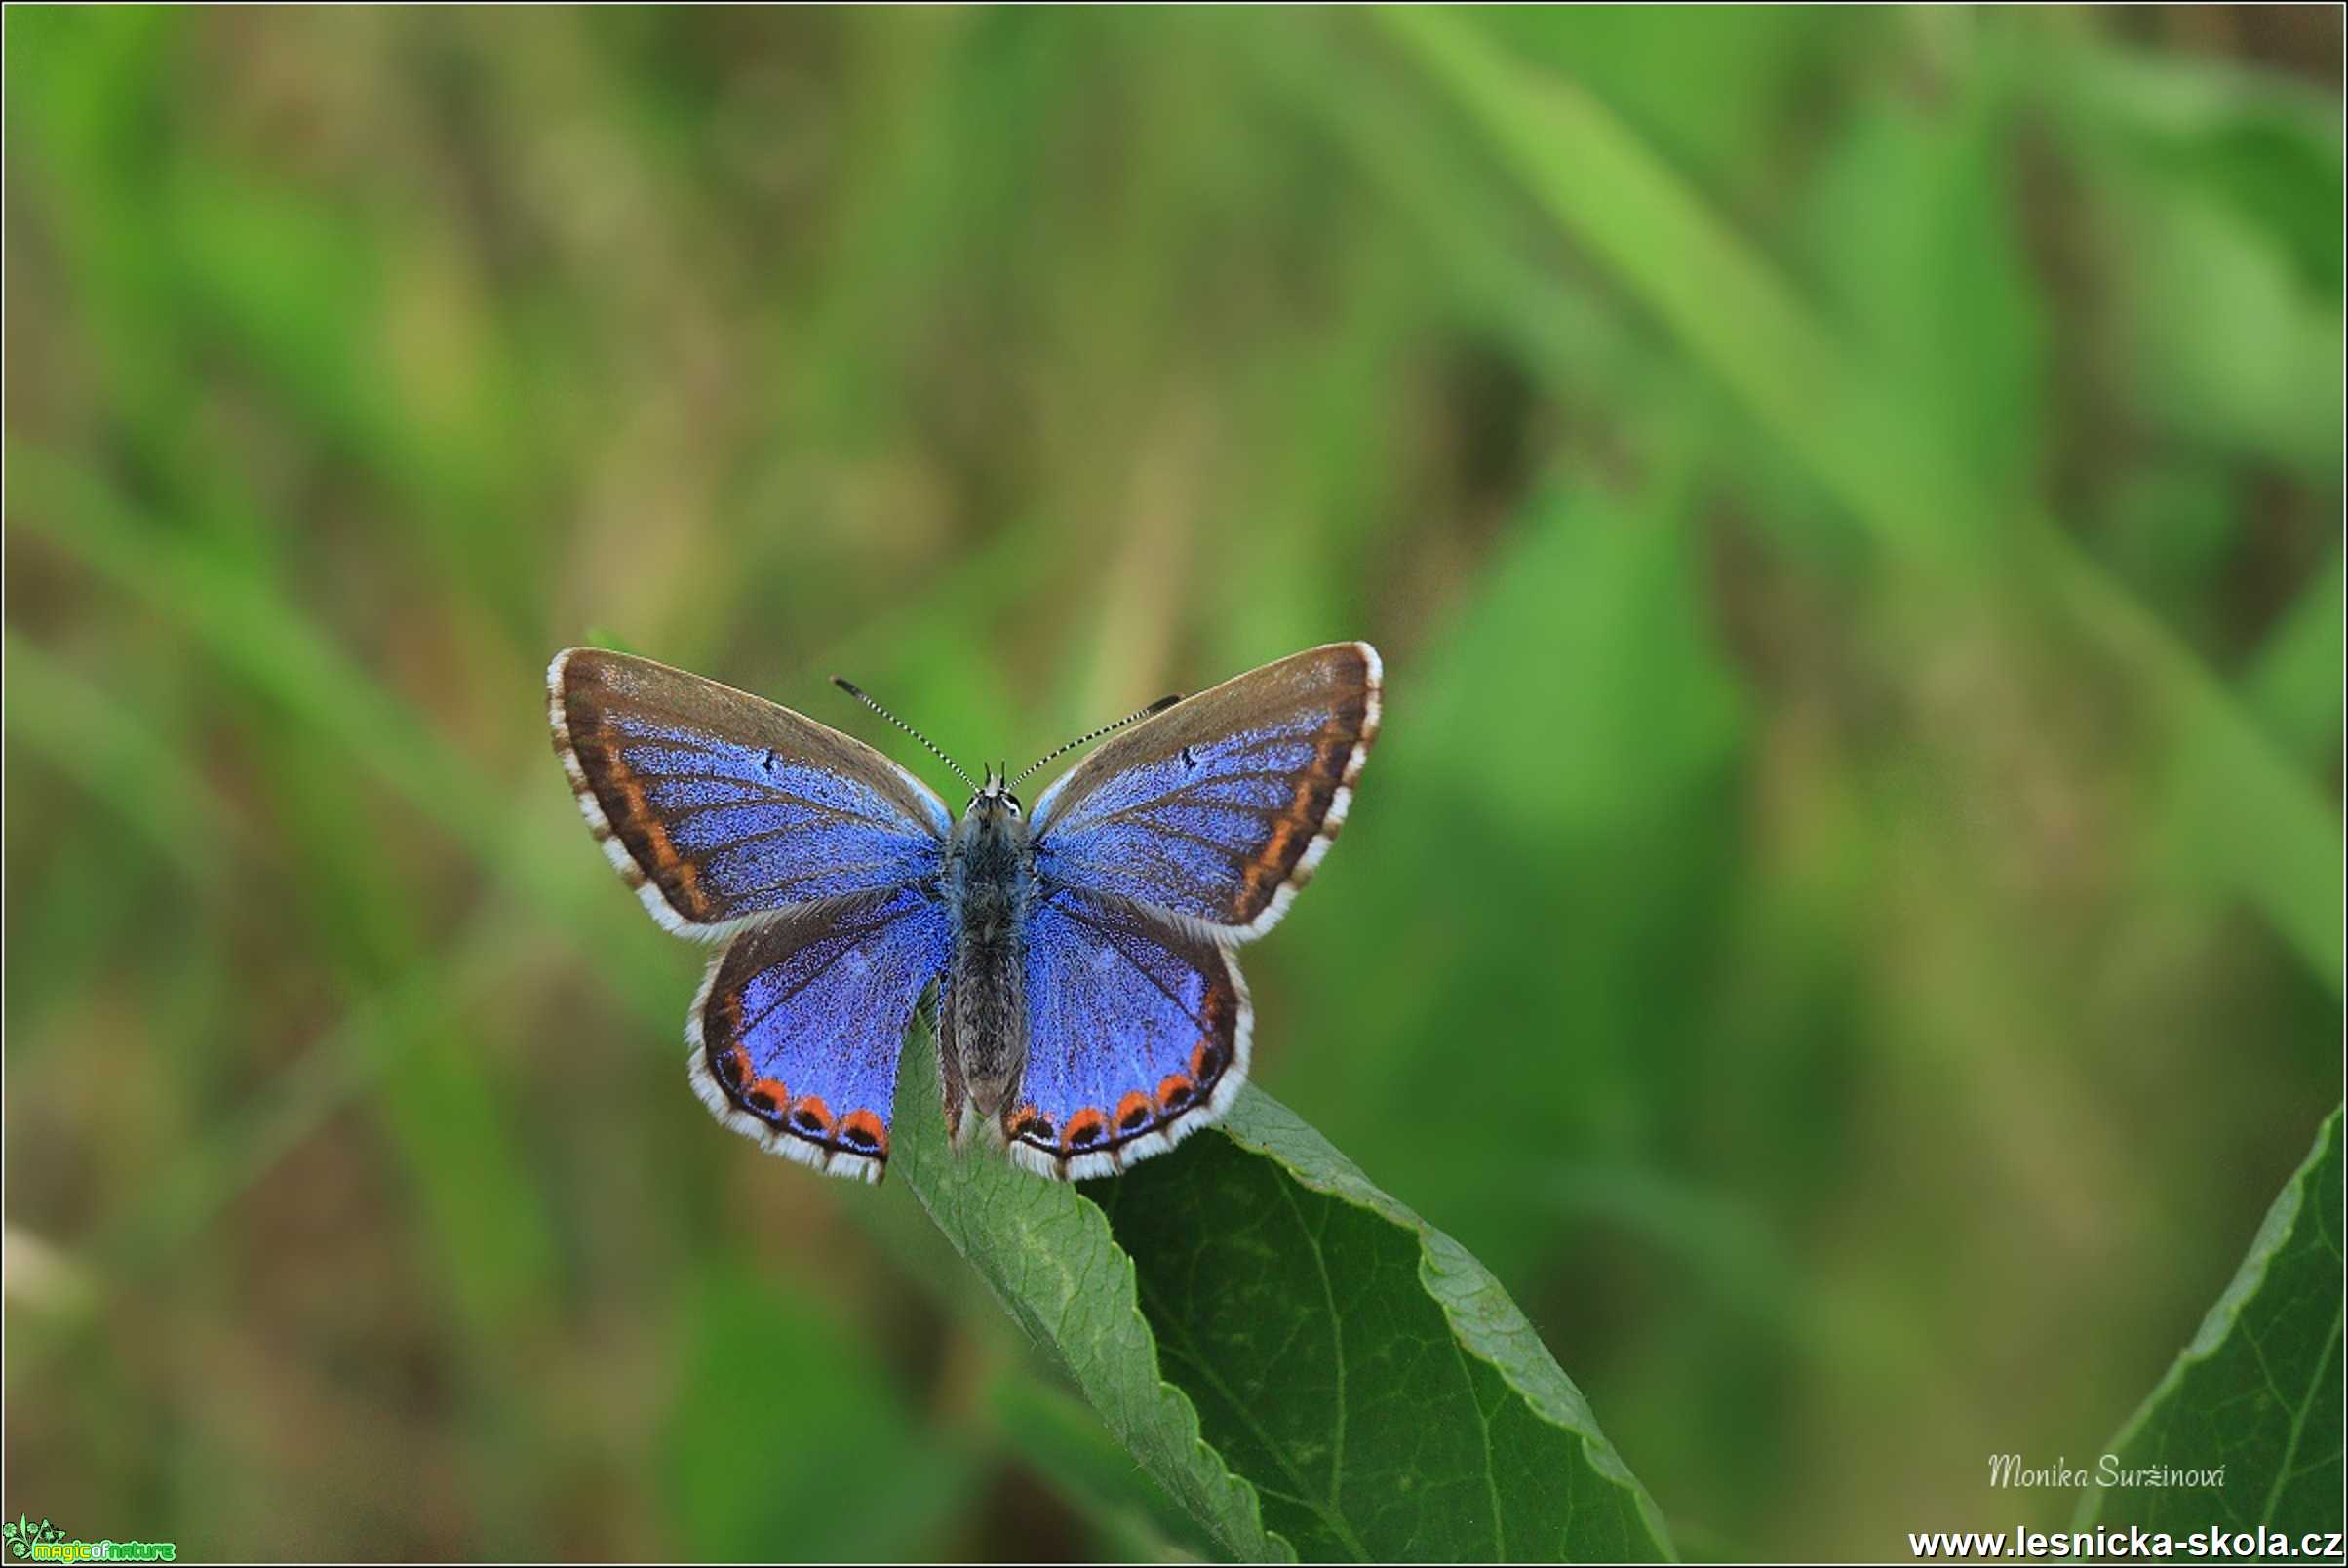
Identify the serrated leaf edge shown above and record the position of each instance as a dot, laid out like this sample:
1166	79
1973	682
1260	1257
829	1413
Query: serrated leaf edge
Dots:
1482	1316
2280	1222
1274	1547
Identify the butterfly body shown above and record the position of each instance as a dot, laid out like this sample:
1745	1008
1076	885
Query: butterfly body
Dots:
1080	958
990	892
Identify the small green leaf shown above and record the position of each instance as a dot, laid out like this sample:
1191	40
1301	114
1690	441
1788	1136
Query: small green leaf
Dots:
2257	1392
1047	1255
1370	1378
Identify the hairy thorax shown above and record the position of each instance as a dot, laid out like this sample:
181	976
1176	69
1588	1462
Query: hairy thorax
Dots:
990	879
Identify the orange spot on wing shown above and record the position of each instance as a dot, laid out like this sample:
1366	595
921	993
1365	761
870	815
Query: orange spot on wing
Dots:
679	878
1294	830
1088	1128
810	1117
1207	1060
1029	1123
862	1131
1133	1112
770	1090
1176	1094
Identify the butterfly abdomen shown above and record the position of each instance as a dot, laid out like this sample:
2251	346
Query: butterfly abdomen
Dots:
990	881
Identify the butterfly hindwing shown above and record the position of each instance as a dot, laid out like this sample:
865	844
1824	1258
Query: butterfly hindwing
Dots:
800	1024
1219	808
718	807
1138	1032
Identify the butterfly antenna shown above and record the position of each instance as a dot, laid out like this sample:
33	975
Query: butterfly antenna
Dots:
1139	714
865	697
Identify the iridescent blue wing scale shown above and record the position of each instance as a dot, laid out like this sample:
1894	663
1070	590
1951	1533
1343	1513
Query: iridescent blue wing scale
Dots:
799	1025
1218	809
719	808
1138	1033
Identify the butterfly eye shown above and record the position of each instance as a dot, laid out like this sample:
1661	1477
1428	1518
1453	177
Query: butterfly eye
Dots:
1012	801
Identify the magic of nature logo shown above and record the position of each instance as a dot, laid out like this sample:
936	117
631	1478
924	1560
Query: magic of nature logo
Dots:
44	1541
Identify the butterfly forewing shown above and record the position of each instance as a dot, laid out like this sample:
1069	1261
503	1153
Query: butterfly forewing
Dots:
718	807
1219	809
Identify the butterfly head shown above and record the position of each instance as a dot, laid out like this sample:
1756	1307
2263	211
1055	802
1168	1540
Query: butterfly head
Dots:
995	800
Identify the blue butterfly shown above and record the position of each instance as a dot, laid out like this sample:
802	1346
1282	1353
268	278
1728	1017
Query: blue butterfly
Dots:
1079	961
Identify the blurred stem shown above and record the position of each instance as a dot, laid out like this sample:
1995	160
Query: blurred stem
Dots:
2267	834
2293	685
1063	1441
86	733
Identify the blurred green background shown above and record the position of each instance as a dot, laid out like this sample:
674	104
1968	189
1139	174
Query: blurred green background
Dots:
1844	918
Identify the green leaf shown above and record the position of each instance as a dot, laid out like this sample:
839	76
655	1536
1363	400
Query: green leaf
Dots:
2257	1393
1303	1364
1047	1255
1917	237
2265	145
1374	1381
